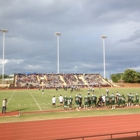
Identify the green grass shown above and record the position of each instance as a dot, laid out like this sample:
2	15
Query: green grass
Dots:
34	100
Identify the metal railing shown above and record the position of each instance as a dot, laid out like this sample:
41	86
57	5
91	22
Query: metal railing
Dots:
92	136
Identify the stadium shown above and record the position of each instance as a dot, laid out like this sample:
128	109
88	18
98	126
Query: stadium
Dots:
30	104
59	80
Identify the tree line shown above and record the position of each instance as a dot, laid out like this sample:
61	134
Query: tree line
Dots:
129	76
5	76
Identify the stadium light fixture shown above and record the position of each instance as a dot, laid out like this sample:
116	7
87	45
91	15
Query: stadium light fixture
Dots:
57	34
104	37
4	31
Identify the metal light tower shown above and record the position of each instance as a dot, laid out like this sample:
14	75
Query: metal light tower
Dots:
104	37
3	31
58	34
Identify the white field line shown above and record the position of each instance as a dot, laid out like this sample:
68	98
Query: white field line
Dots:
49	94
52	95
35	101
11	97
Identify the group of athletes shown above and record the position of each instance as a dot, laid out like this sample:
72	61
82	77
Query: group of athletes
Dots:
92	101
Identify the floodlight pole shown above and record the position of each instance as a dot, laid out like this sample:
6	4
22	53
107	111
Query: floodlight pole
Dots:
3	31
104	37
57	34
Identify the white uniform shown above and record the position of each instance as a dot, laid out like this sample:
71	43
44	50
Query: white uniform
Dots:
103	98
4	103
4	106
53	100
61	99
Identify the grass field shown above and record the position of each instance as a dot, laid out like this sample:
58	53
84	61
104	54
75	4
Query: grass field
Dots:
34	100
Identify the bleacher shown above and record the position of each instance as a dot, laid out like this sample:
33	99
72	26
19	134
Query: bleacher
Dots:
60	80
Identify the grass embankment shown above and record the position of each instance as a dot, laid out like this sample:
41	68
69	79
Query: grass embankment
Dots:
70	114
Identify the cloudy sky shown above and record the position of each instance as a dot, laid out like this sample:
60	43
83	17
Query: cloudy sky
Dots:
31	44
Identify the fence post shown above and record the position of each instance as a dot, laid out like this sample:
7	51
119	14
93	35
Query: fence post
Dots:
137	134
111	136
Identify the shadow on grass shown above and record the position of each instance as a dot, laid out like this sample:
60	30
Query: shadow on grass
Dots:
19	109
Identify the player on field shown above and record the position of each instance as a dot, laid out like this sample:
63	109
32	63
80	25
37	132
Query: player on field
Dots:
123	101
65	102
89	100
99	103
119	103
130	99
112	101
137	99
42	90
80	100
103	100
70	99
107	100
107	91
85	102
93	100
53	101
77	102
61	100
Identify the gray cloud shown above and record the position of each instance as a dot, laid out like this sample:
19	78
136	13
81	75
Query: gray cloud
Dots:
135	36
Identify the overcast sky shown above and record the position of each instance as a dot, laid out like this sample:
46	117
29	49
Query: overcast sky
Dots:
31	44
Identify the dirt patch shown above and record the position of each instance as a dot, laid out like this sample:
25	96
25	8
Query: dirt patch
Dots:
8	114
128	84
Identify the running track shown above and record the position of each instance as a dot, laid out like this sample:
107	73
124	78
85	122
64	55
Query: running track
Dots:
71	127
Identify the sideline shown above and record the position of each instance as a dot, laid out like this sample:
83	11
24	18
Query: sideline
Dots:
11	97
35	101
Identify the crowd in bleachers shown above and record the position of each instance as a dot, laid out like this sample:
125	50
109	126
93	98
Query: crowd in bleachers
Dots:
59	80
23	79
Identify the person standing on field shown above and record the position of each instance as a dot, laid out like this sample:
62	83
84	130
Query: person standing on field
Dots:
137	99
53	101
42	90
4	102
70	102
77	102
107	91
65	102
80	100
61	100
85	102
